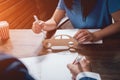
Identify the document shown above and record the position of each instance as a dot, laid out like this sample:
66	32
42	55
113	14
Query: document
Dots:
50	67
72	32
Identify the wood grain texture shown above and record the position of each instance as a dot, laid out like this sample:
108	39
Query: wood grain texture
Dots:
19	13
46	8
22	43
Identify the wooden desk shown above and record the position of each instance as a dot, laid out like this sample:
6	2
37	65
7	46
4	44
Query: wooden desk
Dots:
105	57
22	43
51	66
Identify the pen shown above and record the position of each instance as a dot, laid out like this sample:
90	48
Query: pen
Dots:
77	59
36	18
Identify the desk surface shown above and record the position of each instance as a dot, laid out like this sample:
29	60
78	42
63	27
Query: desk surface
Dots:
105	57
51	66
22	43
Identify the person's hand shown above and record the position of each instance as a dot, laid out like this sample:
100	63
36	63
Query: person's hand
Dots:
37	26
74	69
82	66
84	36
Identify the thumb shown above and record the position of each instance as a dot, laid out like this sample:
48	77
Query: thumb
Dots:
69	66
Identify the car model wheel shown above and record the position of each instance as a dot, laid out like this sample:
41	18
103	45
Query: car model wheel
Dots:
48	45
49	50
71	44
72	49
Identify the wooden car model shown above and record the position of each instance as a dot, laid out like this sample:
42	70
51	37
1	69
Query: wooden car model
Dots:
61	42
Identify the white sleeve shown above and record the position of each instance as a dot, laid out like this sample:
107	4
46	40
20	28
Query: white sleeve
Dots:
88	74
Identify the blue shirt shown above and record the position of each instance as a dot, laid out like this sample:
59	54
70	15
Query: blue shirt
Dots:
98	18
87	78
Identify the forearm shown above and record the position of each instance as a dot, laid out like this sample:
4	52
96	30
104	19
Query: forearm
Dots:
109	30
50	25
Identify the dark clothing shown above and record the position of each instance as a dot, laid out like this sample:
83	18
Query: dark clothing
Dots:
87	78
12	69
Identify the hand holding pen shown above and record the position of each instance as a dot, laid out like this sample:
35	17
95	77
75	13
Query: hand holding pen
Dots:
80	64
77	59
74	67
38	25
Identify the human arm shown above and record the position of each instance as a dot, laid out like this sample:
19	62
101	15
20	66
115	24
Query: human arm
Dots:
84	35
110	29
50	24
82	70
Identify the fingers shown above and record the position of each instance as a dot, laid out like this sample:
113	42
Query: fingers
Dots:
84	61
82	66
73	78
83	36
69	66
74	69
77	34
85	64
37	26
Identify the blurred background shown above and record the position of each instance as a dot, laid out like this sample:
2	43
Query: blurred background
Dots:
19	13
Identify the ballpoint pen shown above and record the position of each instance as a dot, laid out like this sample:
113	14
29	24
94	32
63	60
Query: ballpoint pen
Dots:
77	59
36	19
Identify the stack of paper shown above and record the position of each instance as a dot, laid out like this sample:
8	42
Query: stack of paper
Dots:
72	32
50	67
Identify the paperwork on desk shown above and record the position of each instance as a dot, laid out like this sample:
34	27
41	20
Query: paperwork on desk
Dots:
51	66
72	32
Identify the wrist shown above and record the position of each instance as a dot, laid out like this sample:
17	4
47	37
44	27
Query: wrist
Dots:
49	26
96	36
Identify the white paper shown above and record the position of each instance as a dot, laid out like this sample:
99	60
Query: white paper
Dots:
51	66
72	32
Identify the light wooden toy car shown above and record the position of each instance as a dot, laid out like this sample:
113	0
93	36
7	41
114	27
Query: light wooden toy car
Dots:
60	42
